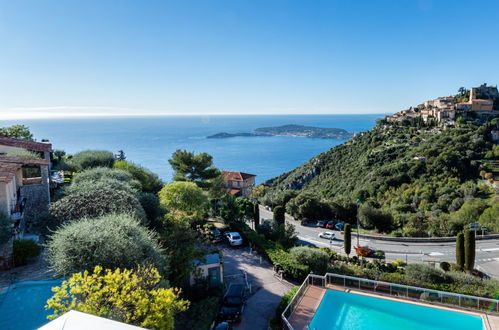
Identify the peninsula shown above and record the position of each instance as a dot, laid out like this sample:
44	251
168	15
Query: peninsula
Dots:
291	130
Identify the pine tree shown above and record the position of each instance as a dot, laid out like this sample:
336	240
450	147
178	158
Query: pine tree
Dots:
279	214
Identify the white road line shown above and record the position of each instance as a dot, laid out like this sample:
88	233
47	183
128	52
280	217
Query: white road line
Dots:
489	249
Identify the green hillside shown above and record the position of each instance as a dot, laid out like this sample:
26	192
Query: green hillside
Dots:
426	178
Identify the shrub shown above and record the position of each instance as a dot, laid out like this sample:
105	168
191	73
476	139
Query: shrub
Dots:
111	241
371	217
426	273
460	250
95	203
347	243
200	315
150	204
184	201
314	258
150	181
104	183
469	250
445	266
25	250
44	223
92	158
5	229
287	262
24	154
97	174
279	214
131	296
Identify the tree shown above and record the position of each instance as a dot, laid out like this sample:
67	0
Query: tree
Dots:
316	259
184	201
279	215
307	205
469	250
490	216
149	181
150	204
111	241
120	155
256	215
460	250
347	237
193	168
96	202
370	217
58	153
133	296
19	132
92	158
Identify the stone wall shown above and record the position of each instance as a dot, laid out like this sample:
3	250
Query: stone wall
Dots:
37	198
6	252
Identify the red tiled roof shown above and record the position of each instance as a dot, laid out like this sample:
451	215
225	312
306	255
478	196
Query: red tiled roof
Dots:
29	145
236	176
234	191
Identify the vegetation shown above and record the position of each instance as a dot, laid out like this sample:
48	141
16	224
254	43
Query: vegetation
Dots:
184	201
469	250
460	250
19	132
279	214
24	154
316	259
6	231
193	168
347	239
276	322
97	174
256	215
131	296
111	241
149	181
92	158
25	250
415	178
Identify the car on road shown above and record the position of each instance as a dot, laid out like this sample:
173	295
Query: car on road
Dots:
321	223
234	238
327	235
330	225
339	226
233	303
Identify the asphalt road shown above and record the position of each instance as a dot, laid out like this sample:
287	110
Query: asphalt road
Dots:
487	251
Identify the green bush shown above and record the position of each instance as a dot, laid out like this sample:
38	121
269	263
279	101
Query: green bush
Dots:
150	181
92	158
200	315
97	174
445	266
150	204
426	273
95	203
104	183
24	154
111	241
5	229
460	250
469	250
276	322
279	214
347	243
314	258
25	250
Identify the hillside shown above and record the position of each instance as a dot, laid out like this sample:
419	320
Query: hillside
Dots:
291	130
416	174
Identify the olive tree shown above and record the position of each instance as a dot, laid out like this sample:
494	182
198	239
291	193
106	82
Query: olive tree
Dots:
92	158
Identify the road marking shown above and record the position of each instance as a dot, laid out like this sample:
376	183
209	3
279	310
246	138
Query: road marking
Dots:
307	239
432	254
489	249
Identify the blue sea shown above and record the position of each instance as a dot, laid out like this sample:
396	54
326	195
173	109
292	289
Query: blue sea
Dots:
150	141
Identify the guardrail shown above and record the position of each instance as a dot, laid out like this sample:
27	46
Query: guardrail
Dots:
443	298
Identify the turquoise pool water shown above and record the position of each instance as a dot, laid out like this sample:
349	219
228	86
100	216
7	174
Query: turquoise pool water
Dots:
22	306
347	311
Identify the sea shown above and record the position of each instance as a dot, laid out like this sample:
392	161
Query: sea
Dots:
150	141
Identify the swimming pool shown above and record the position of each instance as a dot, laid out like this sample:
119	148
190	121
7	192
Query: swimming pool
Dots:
22	306
348	311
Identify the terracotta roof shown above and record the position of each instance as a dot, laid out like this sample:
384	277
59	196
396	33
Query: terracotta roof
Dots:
29	145
10	165
234	191
236	176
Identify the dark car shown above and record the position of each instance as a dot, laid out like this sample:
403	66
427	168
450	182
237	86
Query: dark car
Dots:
304	222
233	303
322	223
223	326
340	225
330	225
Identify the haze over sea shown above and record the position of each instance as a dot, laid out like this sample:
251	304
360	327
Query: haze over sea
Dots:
150	141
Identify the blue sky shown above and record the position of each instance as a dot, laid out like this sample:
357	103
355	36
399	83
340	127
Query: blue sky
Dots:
238	57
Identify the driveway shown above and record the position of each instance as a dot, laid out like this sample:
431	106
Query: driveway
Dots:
241	266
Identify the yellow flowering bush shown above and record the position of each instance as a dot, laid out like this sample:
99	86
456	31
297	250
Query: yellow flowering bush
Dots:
130	296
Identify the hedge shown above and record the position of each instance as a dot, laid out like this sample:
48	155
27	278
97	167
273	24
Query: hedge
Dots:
271	251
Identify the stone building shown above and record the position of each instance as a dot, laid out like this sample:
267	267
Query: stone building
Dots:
238	183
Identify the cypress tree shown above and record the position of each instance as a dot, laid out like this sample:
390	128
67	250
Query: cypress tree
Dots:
460	250
279	214
347	239
469	250
256	215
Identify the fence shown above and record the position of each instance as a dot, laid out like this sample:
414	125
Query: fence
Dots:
443	298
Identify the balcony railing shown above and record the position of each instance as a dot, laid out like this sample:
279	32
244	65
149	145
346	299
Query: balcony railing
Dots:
442	298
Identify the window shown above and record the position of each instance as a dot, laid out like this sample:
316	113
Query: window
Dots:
32	175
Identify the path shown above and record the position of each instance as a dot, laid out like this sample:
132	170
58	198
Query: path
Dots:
266	289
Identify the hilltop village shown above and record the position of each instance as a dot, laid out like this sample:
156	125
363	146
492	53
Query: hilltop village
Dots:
482	100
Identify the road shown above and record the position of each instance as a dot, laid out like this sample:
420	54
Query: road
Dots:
487	251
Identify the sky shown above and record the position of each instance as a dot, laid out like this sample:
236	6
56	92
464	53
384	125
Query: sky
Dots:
89	58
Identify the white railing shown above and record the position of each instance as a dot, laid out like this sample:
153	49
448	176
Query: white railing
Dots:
444	298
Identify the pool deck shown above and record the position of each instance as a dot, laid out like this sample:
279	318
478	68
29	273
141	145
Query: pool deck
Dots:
305	311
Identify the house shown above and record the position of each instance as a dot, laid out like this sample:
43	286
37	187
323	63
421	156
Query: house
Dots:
238	183
209	268
24	184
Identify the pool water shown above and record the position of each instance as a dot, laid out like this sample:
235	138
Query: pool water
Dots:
22	306
347	311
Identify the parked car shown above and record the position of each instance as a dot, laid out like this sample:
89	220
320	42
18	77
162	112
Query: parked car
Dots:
233	303
327	235
321	223
216	235
234	238
223	326
339	225
330	225
304	222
